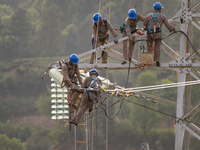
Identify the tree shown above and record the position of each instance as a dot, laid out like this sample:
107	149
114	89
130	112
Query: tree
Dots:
11	144
44	105
39	139
21	30
49	32
142	119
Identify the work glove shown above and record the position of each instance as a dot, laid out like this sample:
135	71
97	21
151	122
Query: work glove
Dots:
73	86
115	40
132	42
145	29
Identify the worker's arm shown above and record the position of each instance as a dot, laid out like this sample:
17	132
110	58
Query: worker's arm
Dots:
79	76
128	31
65	74
140	17
146	21
167	24
112	30
84	85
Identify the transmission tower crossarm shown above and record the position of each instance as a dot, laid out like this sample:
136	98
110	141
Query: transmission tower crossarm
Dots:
191	131
194	76
176	18
109	45
191	111
194	6
173	51
195	127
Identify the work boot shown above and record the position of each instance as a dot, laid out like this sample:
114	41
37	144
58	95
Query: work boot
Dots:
90	109
158	64
123	62
73	122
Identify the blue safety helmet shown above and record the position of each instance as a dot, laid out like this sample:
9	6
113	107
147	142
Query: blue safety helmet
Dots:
94	70
157	5
74	59
96	17
132	14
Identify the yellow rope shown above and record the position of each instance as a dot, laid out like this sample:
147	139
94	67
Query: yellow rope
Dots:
80	142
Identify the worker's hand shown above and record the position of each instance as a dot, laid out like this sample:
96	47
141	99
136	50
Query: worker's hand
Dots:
82	85
174	30
115	40
73	86
132	42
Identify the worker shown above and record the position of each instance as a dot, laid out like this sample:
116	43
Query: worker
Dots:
128	28
153	23
100	28
90	96
70	72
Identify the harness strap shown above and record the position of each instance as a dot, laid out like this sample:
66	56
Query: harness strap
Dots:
70	70
94	80
131	27
154	18
106	27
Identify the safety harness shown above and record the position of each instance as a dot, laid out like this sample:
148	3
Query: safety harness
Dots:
153	24
106	27
154	30
71	75
95	92
70	70
123	27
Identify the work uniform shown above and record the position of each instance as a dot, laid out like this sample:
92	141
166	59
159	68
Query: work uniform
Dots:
88	98
161	20
130	26
71	74
101	37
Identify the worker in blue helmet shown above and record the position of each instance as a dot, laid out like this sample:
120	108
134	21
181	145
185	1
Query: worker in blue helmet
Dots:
71	75
127	29
91	95
153	23
100	29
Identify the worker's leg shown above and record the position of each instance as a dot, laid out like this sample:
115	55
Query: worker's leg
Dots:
131	48
92	57
104	57
149	43
157	51
74	96
85	104
124	51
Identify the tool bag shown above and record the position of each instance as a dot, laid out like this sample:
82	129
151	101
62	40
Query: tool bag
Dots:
147	58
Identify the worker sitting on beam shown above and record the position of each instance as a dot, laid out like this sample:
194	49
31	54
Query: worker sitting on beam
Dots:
90	96
70	72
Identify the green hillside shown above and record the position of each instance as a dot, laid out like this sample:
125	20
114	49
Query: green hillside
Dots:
35	33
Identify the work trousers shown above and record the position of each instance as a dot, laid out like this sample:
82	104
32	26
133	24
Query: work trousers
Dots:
131	47
156	49
104	57
74	95
104	54
84	106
